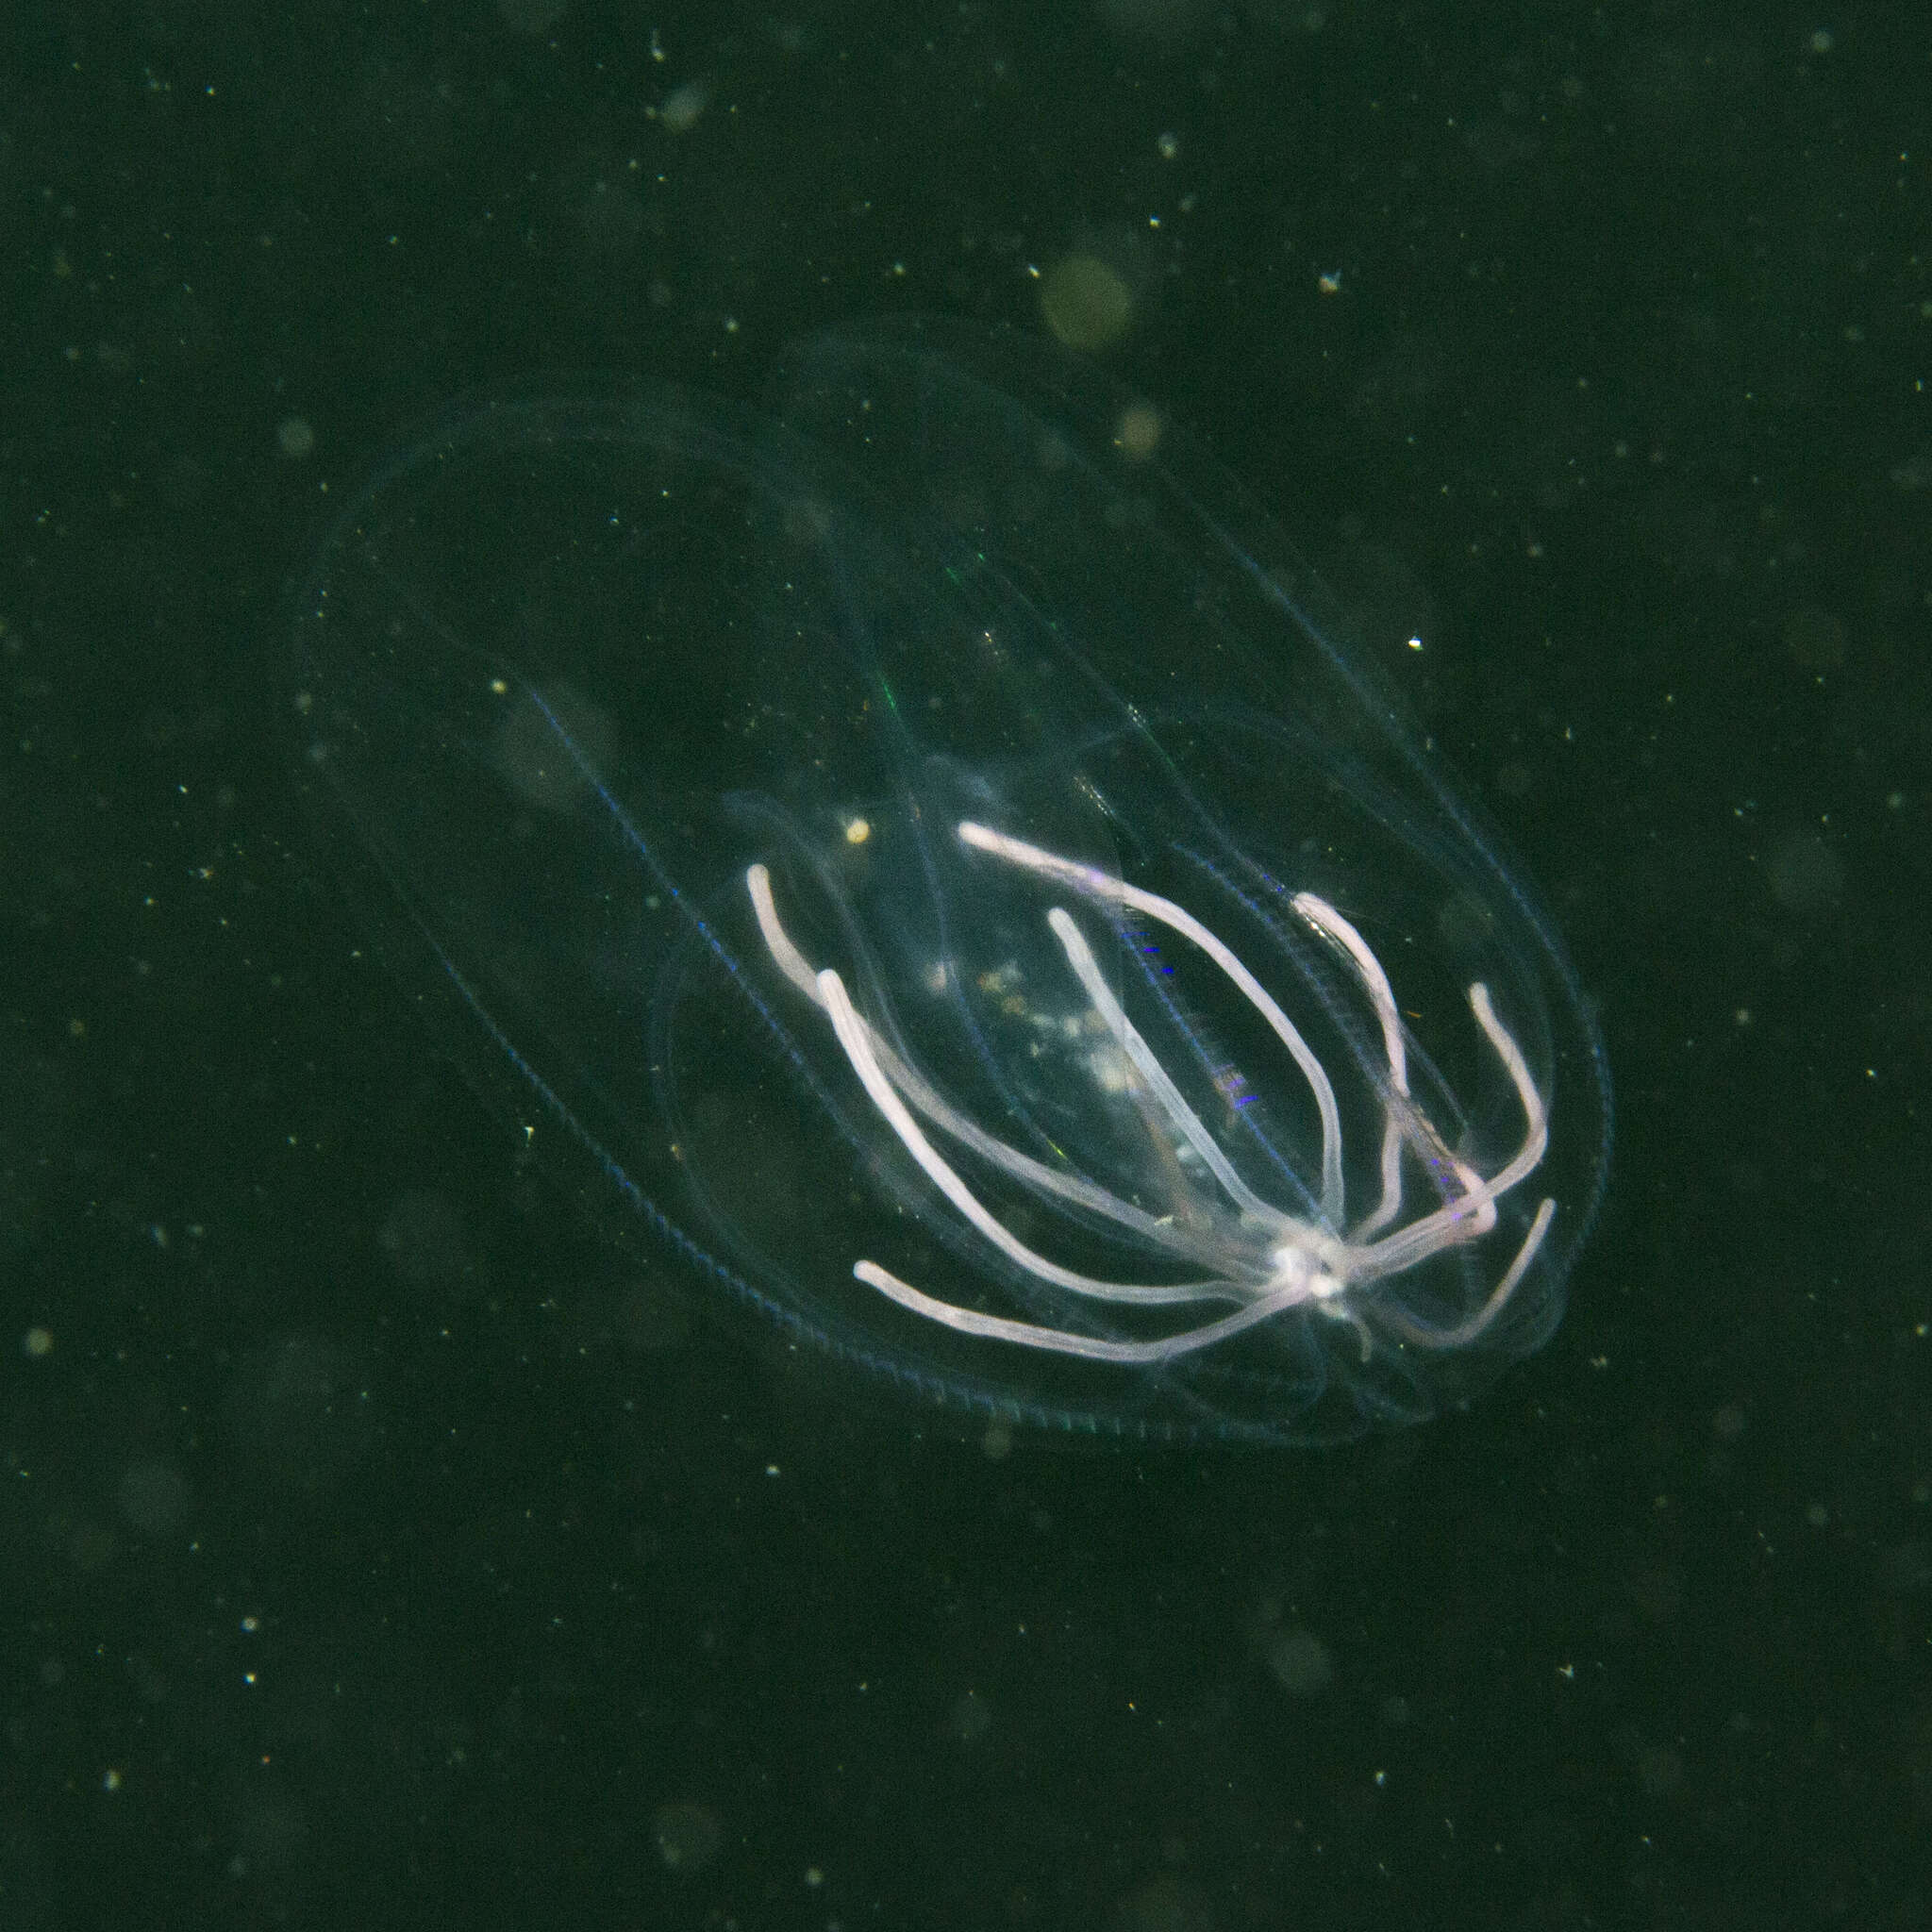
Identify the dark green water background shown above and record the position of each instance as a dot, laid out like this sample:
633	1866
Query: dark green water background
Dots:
378	1546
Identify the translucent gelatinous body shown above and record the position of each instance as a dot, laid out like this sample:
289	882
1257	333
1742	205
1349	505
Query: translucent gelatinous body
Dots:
940	859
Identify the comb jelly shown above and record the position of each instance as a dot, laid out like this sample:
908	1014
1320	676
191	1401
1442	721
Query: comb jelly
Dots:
941	864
